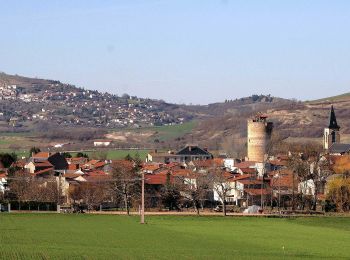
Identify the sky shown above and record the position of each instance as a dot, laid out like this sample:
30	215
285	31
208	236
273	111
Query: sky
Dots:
182	51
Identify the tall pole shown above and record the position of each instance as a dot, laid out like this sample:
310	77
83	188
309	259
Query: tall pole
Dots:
143	199
279	191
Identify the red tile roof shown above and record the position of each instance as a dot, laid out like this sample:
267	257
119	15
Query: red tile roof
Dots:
123	163
242	177
244	165
248	170
157	179
279	162
150	167
44	171
283	178
43	164
41	155
257	192
250	182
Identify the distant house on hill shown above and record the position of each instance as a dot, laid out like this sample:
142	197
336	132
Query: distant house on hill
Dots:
102	143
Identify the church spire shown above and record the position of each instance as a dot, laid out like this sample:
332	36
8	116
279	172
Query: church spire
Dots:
333	120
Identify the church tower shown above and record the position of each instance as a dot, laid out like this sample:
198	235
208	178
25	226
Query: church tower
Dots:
331	134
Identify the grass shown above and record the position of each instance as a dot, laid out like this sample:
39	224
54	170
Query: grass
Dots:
165	133
117	154
51	236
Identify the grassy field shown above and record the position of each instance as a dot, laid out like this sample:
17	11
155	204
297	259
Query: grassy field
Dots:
163	133
51	236
117	154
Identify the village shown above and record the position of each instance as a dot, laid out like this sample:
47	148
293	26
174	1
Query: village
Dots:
309	181
44	101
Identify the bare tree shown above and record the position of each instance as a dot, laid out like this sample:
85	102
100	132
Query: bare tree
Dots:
195	188
221	185
19	186
127	182
92	194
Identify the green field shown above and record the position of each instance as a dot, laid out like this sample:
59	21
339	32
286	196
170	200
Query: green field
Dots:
51	236
164	133
116	154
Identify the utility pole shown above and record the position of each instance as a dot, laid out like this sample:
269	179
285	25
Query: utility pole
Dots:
279	191
143	199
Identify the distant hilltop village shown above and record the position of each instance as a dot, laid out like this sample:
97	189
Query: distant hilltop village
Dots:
67	105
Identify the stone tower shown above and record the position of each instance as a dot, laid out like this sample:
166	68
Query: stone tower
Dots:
331	133
259	133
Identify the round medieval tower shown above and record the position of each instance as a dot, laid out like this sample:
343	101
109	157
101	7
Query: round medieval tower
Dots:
259	133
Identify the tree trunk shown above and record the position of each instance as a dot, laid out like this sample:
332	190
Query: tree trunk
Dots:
293	193
224	207
126	204
195	206
314	206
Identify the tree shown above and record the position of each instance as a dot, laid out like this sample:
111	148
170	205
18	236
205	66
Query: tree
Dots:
195	188
126	182
339	193
310	165
67	155
33	150
19	186
128	157
7	159
170	194
91	194
221	185
80	154
342	165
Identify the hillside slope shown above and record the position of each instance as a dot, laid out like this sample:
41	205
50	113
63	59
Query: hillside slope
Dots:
300	121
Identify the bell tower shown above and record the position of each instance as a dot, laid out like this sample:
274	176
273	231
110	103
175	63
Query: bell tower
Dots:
331	133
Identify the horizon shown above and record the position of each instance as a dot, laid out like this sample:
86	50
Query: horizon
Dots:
200	52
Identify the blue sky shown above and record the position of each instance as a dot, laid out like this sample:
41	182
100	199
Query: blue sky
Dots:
183	51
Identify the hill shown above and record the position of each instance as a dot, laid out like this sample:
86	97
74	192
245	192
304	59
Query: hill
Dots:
56	111
25	100
294	122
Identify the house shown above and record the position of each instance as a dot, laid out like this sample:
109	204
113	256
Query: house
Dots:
35	166
102	143
45	163
3	182
307	187
187	154
58	161
94	165
339	149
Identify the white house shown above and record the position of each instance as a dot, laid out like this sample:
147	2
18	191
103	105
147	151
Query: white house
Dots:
102	142
3	183
307	187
